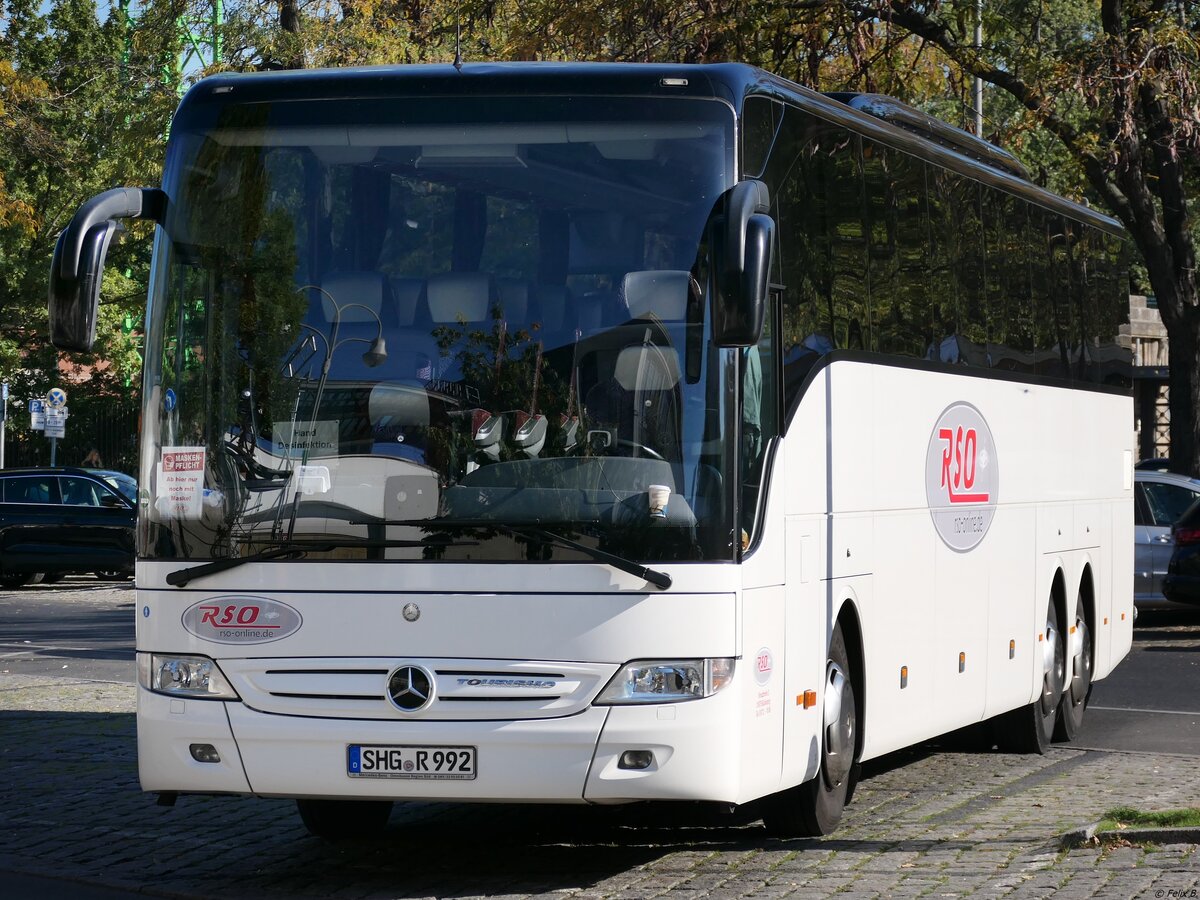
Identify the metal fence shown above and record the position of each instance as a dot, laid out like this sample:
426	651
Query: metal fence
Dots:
107	425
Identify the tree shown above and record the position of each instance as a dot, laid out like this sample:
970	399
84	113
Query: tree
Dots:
82	109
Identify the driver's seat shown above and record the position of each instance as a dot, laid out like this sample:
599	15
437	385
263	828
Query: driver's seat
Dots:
639	404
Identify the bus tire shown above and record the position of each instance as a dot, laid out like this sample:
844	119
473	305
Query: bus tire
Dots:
338	820
815	807
1031	728
1075	696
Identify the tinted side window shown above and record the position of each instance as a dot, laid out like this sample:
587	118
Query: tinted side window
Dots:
1007	274
761	117
897	250
30	489
1084	301
847	239
79	491
795	176
969	271
1063	288
1045	237
943	260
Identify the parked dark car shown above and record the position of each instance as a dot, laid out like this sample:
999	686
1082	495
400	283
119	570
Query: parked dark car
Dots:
1182	581
124	484
58	521
1160	499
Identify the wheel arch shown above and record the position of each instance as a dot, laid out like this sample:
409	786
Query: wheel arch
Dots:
1087	593
852	634
1058	593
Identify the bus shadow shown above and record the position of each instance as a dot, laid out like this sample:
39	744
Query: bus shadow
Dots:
517	850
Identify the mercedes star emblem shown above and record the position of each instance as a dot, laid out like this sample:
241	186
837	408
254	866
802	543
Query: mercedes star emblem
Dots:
410	688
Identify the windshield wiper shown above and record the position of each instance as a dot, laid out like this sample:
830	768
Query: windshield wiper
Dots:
659	579
289	549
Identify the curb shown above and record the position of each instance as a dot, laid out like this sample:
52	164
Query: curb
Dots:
1088	836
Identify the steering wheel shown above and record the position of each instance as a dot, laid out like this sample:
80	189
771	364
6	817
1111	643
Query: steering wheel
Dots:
645	451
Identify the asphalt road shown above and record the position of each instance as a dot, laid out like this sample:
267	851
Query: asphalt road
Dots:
80	627
1151	702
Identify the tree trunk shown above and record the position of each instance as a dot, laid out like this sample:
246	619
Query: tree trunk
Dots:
1184	382
289	22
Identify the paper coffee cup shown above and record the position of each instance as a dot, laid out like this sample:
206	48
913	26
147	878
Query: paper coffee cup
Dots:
659	494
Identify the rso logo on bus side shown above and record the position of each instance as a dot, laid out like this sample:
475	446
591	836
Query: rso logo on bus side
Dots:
962	477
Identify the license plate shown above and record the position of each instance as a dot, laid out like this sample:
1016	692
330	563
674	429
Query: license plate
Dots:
406	761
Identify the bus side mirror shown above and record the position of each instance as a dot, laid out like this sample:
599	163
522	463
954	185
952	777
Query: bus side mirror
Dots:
77	267
75	302
741	302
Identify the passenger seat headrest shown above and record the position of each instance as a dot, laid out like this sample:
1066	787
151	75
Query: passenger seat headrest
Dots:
345	288
647	368
663	294
458	296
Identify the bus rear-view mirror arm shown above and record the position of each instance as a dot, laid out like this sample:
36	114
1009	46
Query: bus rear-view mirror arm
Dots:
749	236
78	264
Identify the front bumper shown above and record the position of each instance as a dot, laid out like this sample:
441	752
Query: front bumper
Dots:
572	759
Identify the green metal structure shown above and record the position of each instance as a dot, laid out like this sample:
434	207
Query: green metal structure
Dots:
198	35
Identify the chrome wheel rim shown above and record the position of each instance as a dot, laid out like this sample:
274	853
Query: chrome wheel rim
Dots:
1053	670
1081	674
839	725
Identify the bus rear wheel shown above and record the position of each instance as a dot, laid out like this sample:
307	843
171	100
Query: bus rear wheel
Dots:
1031	728
815	807
1074	699
339	820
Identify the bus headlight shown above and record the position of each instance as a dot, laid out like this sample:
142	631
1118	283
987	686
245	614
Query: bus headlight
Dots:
183	676
667	681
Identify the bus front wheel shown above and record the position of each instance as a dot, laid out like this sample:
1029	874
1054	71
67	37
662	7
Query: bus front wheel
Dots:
338	820
815	807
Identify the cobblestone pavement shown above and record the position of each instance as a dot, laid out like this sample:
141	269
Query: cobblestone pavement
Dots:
924	823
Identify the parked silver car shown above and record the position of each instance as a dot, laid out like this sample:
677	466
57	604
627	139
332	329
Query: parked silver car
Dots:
1160	498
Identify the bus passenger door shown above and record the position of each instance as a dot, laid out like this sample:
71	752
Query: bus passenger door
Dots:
804	638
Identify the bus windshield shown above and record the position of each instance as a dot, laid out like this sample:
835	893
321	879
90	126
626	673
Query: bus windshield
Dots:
432	328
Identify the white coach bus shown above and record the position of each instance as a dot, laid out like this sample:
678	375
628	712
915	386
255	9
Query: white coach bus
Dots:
606	433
